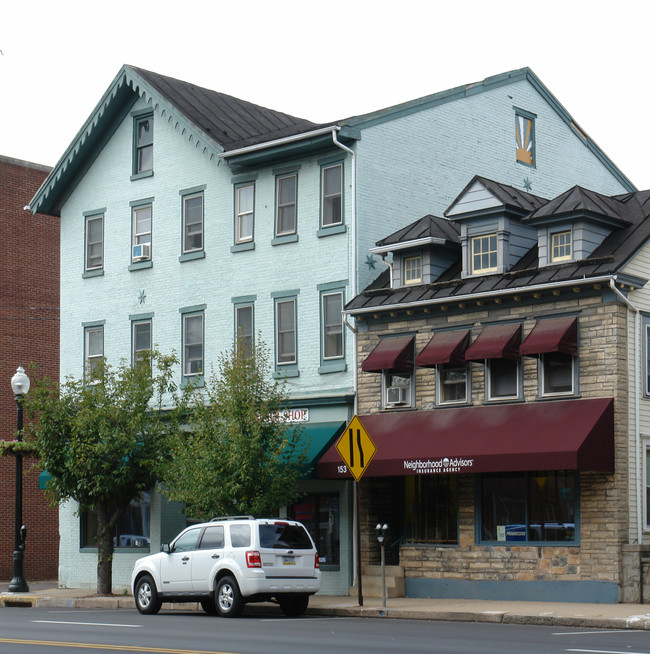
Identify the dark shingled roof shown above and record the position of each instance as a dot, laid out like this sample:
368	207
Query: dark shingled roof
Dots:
631	211
231	122
426	227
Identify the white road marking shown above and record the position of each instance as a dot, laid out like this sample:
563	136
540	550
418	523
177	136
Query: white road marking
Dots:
91	624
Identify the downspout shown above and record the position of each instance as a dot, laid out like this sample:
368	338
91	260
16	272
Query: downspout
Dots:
356	545
637	434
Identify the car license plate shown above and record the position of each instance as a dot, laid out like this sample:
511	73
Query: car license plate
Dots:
288	560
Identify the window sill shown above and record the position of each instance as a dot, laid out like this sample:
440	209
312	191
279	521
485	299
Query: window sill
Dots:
330	231
92	273
242	247
281	240
335	366
285	373
191	256
141	265
142	175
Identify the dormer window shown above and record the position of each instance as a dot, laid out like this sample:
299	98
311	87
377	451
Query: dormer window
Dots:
561	246
413	270
484	253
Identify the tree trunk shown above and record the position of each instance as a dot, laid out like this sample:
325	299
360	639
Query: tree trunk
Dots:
104	552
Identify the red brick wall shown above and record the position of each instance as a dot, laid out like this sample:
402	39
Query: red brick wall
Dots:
29	334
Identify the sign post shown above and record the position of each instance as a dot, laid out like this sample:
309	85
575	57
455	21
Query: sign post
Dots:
357	449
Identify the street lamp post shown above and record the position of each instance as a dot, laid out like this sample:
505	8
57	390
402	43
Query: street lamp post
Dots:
20	386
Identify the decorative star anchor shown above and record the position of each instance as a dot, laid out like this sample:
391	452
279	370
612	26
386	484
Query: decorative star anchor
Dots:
370	261
142	296
528	185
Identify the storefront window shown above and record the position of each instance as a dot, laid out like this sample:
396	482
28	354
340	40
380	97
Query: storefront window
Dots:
132	529
529	507
320	513
431	509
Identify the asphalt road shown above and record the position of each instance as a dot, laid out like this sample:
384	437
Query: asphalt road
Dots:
60	631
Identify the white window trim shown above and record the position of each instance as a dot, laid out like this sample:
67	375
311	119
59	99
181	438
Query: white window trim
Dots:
134	324
477	238
292	362
89	358
409	390
186	360
439	386
414	280
565	257
137	147
279	205
488	382
325	325
325	197
238	308
137	237
240	215
542	380
89	219
192	196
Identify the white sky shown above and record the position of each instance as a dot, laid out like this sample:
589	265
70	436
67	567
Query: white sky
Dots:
324	60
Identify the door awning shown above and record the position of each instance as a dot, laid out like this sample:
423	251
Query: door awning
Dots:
444	347
563	435
496	342
552	335
392	354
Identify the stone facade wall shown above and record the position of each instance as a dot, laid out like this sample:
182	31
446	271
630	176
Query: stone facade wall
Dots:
602	348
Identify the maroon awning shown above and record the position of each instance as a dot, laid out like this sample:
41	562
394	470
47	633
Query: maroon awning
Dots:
496	342
392	354
552	335
563	435
444	347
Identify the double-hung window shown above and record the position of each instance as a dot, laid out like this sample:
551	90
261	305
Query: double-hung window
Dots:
413	270
332	195
285	331
94	352
193	222
557	373
285	210
244	212
141	235
140	340
244	316
483	253
332	325
452	383
94	246
502	379
193	343
561	246
143	144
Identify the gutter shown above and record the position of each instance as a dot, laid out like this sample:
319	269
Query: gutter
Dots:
605	279
637	410
287	139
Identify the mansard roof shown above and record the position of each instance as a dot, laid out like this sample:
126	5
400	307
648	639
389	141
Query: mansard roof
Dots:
607	260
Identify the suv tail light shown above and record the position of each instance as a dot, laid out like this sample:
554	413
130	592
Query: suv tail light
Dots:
317	561
253	559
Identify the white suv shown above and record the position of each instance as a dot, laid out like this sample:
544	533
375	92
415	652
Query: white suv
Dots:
227	562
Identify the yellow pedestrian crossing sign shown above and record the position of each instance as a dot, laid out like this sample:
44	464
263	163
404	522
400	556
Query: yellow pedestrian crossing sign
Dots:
356	448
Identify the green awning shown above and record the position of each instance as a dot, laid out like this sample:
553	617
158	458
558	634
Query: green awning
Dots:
320	436
43	479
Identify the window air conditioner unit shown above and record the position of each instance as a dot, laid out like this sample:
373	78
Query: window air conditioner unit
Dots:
398	393
141	251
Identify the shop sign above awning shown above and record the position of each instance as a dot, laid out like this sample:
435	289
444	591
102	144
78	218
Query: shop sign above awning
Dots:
444	347
552	335
561	435
391	354
496	342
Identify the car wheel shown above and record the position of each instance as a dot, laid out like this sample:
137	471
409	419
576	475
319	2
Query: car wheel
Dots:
146	596
293	605
228	598
208	606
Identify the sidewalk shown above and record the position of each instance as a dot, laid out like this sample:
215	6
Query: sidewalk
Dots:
564	614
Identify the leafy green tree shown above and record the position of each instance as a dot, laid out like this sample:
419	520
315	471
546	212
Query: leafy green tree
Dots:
103	441
237	456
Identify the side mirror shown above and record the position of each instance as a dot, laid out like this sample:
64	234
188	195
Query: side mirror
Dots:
165	548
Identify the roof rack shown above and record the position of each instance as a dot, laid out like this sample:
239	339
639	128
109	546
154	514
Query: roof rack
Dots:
232	517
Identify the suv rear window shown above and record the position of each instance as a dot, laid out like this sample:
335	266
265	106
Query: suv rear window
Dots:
284	536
